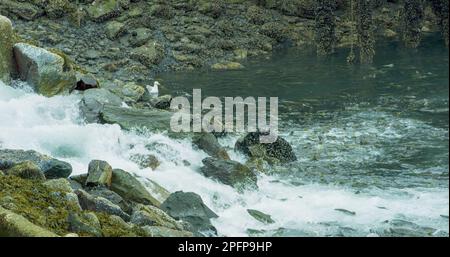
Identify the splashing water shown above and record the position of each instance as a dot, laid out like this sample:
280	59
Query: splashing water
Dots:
53	126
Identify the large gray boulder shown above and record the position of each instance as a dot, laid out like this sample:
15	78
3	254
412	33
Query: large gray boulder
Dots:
189	207
230	173
52	168
99	204
147	215
128	118
129	187
6	49
94	100
99	174
44	70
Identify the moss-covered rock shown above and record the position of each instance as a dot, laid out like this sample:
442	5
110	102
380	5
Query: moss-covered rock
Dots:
43	70
14	225
149	54
26	170
6	49
102	10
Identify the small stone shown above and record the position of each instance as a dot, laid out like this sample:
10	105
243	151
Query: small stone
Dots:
55	169
156	231
133	92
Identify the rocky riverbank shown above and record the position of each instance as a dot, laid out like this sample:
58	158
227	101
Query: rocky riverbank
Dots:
105	52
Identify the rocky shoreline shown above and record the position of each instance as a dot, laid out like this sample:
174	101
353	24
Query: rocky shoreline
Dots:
106	51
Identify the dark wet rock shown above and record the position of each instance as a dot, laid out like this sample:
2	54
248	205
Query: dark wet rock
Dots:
230	173
129	118
161	102
189	207
146	215
156	231
26	170
280	149
99	204
209	143
85	82
54	169
6	51
347	212
79	179
127	186
111	196
102	10
260	216
22	10
149	54
93	102
83	226
44	70
99	174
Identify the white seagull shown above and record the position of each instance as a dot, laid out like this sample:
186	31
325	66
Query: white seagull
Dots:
154	91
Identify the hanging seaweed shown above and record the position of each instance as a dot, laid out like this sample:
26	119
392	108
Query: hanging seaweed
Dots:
440	8
413	16
366	39
351	55
325	27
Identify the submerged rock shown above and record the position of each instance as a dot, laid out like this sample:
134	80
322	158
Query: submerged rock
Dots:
209	143
189	207
99	174
6	49
230	173
260	216
280	149
127	186
44	70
